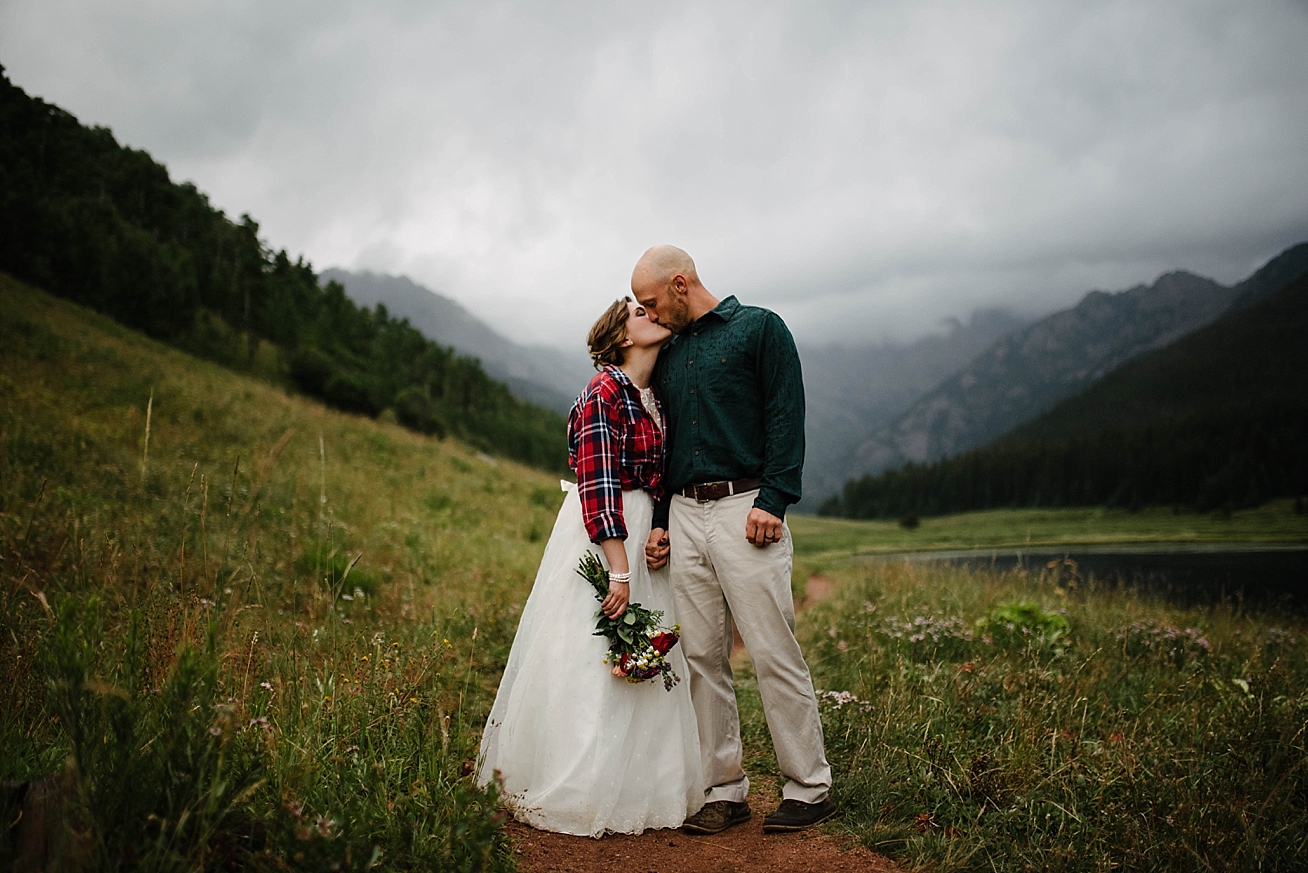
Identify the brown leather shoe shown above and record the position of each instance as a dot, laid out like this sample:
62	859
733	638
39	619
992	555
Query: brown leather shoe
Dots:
795	815
716	817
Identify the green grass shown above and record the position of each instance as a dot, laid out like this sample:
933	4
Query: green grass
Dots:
998	528
1033	721
175	630
271	639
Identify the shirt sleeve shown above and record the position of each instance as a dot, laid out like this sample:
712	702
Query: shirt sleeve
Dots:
598	483
782	383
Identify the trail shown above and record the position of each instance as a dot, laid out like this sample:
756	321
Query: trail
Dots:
741	849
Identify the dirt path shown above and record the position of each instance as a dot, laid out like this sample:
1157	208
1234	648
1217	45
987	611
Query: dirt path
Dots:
742	849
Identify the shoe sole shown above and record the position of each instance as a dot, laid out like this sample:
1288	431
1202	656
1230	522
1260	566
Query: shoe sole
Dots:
696	830
790	829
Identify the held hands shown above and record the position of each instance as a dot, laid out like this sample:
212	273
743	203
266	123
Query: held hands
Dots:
657	549
762	528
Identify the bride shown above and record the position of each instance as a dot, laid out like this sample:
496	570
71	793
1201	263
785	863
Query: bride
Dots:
579	749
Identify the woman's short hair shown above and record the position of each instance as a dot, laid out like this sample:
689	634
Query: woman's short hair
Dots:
608	334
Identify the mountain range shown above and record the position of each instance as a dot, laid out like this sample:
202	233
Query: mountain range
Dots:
1030	370
1216	419
853	390
543	375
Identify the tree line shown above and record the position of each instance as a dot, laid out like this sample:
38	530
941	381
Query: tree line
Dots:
1204	462
101	224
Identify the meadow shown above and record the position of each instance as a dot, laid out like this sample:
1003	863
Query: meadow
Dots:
257	633
836	538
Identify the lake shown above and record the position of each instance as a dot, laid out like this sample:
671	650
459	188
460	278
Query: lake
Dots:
1261	575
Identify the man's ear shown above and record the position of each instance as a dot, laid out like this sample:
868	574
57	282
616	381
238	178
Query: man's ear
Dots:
679	284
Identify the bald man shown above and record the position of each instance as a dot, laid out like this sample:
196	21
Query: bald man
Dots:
733	394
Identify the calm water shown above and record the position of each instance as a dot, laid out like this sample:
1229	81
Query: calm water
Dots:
1259	576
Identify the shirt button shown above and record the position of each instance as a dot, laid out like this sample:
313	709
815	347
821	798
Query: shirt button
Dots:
724	360
692	363
697	451
692	390
694	421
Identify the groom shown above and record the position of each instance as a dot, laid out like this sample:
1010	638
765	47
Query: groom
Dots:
731	387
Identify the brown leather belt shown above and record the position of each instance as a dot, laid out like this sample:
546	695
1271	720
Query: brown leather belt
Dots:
705	491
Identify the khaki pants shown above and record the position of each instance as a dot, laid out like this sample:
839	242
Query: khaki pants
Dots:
717	575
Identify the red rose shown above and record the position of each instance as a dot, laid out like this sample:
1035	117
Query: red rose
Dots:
663	642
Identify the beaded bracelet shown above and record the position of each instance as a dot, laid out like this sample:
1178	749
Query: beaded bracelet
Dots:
624	578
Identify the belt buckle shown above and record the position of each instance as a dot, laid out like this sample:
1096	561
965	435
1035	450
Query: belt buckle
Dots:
706	491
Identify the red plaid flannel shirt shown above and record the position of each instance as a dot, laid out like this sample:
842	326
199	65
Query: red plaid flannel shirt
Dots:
613	445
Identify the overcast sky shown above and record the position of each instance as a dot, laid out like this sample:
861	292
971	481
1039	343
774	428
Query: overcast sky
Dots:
866	169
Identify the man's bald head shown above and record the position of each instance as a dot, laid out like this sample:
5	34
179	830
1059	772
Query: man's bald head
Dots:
666	284
661	264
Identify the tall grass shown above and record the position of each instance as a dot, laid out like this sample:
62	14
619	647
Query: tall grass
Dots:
271	645
1032	721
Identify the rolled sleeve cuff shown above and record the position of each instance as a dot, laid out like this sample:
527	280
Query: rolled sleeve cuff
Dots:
772	500
606	526
662	511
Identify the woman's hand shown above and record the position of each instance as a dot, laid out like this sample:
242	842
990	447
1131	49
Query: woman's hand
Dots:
616	603
619	591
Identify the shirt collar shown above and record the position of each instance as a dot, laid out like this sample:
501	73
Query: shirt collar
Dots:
725	309
620	376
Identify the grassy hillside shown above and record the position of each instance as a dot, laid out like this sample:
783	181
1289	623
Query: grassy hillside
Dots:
1218	418
272	627
104	225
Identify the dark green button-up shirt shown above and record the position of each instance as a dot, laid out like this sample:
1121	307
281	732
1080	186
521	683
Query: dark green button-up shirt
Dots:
733	396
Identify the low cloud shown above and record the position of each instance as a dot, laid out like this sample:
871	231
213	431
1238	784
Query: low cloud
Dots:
865	169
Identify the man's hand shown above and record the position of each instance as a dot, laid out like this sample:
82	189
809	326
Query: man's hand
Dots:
616	602
657	549
762	528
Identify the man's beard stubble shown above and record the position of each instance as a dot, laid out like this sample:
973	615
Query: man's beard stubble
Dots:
678	318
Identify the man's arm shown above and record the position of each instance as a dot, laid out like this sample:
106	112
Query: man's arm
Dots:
781	383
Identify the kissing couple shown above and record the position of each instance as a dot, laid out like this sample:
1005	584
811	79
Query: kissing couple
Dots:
688	445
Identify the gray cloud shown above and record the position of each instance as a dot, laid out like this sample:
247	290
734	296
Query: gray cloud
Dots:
865	169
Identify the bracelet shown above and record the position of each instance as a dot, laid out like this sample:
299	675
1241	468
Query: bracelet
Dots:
624	578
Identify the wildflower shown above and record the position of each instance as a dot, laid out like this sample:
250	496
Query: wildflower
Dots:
266	686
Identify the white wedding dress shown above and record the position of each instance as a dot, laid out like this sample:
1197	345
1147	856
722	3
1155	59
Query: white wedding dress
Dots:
579	750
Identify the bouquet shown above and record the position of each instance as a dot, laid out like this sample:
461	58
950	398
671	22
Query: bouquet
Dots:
638	645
